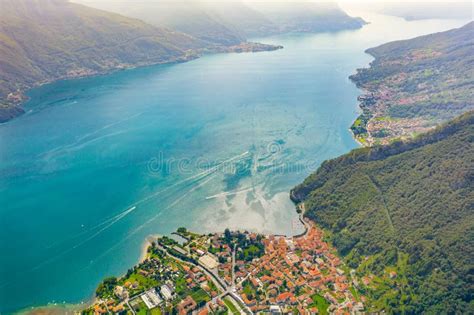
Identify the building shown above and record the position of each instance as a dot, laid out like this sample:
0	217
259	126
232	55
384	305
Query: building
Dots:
120	292
180	250
166	292
208	261
186	305
151	298
275	309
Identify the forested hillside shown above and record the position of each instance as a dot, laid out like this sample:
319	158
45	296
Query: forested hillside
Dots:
46	40
403	215
412	85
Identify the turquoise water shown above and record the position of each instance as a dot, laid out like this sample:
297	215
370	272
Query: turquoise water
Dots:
98	164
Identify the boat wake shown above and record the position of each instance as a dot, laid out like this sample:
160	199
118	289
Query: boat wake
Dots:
191	183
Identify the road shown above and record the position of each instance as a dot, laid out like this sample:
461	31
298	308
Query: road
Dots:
233	266
218	282
306	224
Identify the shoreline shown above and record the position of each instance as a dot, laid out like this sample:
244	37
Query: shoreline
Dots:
67	308
22	95
357	140
55	309
15	109
73	309
144	247
364	91
311	231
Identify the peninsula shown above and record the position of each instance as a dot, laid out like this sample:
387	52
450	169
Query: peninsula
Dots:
235	273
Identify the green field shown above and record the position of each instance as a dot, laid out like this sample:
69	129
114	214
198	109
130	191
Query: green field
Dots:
155	311
143	281
140	308
321	303
231	306
200	296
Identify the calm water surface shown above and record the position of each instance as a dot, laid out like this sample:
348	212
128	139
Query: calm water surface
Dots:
100	163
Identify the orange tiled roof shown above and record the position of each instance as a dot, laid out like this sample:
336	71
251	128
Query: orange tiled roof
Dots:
284	296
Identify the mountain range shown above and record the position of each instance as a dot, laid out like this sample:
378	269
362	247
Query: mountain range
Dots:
233	21
46	40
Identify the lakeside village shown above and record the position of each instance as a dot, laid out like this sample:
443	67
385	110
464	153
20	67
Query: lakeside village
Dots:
234	273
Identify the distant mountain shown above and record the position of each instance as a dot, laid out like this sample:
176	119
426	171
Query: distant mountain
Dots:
191	17
227	22
244	20
403	215
42	41
307	16
414	84
265	18
425	9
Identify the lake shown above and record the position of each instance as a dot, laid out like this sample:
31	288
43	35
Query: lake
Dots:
98	164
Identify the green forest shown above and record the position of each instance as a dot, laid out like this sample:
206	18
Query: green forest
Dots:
404	210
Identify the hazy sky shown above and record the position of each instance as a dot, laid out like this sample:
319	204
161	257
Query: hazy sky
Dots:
351	1
421	8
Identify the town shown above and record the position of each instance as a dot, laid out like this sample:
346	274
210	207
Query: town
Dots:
234	273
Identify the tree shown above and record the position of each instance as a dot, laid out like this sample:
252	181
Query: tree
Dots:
106	287
227	236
